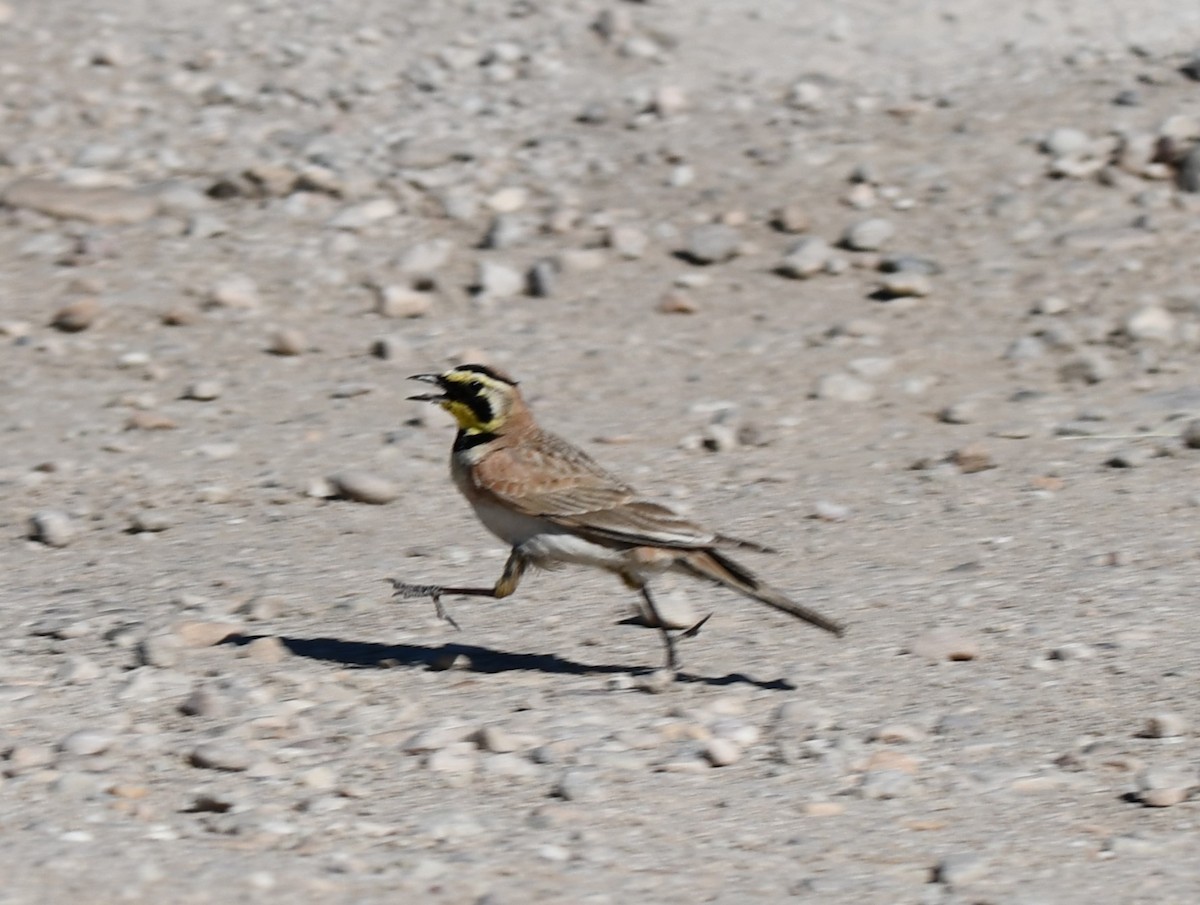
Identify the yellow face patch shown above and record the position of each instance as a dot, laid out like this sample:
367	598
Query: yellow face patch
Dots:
478	401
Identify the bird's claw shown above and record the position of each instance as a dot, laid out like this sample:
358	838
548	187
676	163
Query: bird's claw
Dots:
695	629
407	591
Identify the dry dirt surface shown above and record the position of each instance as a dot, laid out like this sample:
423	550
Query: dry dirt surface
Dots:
906	290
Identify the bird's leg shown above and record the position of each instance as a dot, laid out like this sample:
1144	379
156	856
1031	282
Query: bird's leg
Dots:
667	637
505	585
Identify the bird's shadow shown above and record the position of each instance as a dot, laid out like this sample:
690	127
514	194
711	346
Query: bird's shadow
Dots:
474	659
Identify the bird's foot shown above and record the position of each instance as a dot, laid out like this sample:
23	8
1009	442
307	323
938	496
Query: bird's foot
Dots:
407	591
695	629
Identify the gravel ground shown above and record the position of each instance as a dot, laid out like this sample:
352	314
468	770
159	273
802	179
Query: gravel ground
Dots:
905	290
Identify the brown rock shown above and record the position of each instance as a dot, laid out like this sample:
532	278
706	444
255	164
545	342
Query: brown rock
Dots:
77	315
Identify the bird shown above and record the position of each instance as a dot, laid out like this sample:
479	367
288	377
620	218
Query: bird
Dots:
554	505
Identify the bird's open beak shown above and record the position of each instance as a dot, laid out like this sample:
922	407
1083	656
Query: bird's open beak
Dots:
428	397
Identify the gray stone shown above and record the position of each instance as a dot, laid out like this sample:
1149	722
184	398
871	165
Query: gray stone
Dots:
868	235
222	754
364	487
51	527
496	280
711	244
86	742
843	388
961	868
806	258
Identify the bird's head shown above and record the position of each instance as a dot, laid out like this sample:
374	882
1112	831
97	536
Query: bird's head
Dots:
482	399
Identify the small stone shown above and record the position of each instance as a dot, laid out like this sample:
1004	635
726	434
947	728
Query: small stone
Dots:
868	235
150	421
964	412
26	758
806	96
711	244
266	650
542	278
1091	366
86	742
78	670
960	869
359	216
364	487
508	200
456	757
944	644
1191	434
425	257
722	752
162	651
628	242
676	301
203	634
322	778
203	391
972	459
792	218
669	100
497	281
151	521
222	755
1051	305
506	231
1165	725
286	342
1188	174
104	205
76	316
51	527
578	785
808	257
235	291
824	809
1152	322
905	285
403	302
843	388
203	702
830	512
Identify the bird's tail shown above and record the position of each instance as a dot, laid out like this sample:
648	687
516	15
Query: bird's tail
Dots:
716	567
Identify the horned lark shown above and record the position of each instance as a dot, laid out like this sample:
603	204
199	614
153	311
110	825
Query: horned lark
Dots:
554	505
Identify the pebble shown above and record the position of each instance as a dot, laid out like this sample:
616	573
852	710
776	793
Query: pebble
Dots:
222	754
77	315
827	511
403	302
792	218
106	206
287	341
711	244
878	785
508	200
456	757
359	216
722	752
1091	366
961	869
1191	434
51	527
426	257
86	742
203	634
906	284
268	650
868	235
162	651
151	521
1064	141
944	644
236	291
843	388
676	301
972	459
203	391
1151	322
364	487
963	412
497	281
1165	725
26	758
205	702
808	257
628	242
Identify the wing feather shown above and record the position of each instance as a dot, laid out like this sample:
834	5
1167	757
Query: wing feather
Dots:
577	493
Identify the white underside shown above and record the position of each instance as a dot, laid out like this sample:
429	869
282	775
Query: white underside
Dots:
548	545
